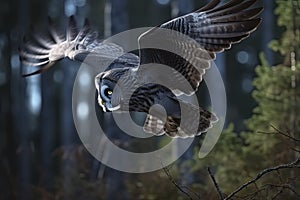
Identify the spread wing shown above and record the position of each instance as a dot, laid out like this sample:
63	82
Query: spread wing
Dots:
82	45
193	40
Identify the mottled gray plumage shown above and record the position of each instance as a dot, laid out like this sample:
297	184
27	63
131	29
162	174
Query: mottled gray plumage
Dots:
213	27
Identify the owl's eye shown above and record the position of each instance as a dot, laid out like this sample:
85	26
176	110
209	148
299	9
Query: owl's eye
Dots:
106	93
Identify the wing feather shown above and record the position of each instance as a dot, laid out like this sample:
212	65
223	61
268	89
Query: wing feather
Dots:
82	45
214	27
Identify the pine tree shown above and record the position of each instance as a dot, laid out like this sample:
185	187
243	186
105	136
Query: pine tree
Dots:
277	87
273	134
275	124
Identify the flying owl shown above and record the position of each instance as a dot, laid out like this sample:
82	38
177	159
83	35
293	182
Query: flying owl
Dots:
127	86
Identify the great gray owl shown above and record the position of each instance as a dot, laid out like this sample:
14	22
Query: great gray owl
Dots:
214	27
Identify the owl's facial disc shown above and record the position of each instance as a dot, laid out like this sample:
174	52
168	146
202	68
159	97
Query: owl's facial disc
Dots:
104	98
106	93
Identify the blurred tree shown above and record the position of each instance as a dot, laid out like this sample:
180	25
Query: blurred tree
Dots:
277	93
238	68
273	134
277	88
116	21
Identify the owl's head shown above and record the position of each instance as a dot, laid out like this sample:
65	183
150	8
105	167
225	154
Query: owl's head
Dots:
109	95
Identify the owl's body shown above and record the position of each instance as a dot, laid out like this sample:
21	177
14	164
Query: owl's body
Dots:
139	92
140	83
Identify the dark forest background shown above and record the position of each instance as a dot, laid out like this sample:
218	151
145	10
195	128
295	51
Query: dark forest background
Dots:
42	156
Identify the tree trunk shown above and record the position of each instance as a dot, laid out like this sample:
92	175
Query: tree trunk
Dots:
118	22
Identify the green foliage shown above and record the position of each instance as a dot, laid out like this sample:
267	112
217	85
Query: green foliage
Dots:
275	96
288	18
238	158
277	87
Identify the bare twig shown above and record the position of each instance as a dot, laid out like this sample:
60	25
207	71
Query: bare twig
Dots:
175	183
279	176
192	191
257	189
279	132
252	195
215	183
297	150
277	194
284	134
294	191
294	164
179	187
283	187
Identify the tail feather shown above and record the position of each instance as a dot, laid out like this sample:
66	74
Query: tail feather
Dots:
72	30
154	125
194	120
57	36
184	125
45	50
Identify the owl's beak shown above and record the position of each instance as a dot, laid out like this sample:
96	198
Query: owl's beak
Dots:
111	108
101	103
107	106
